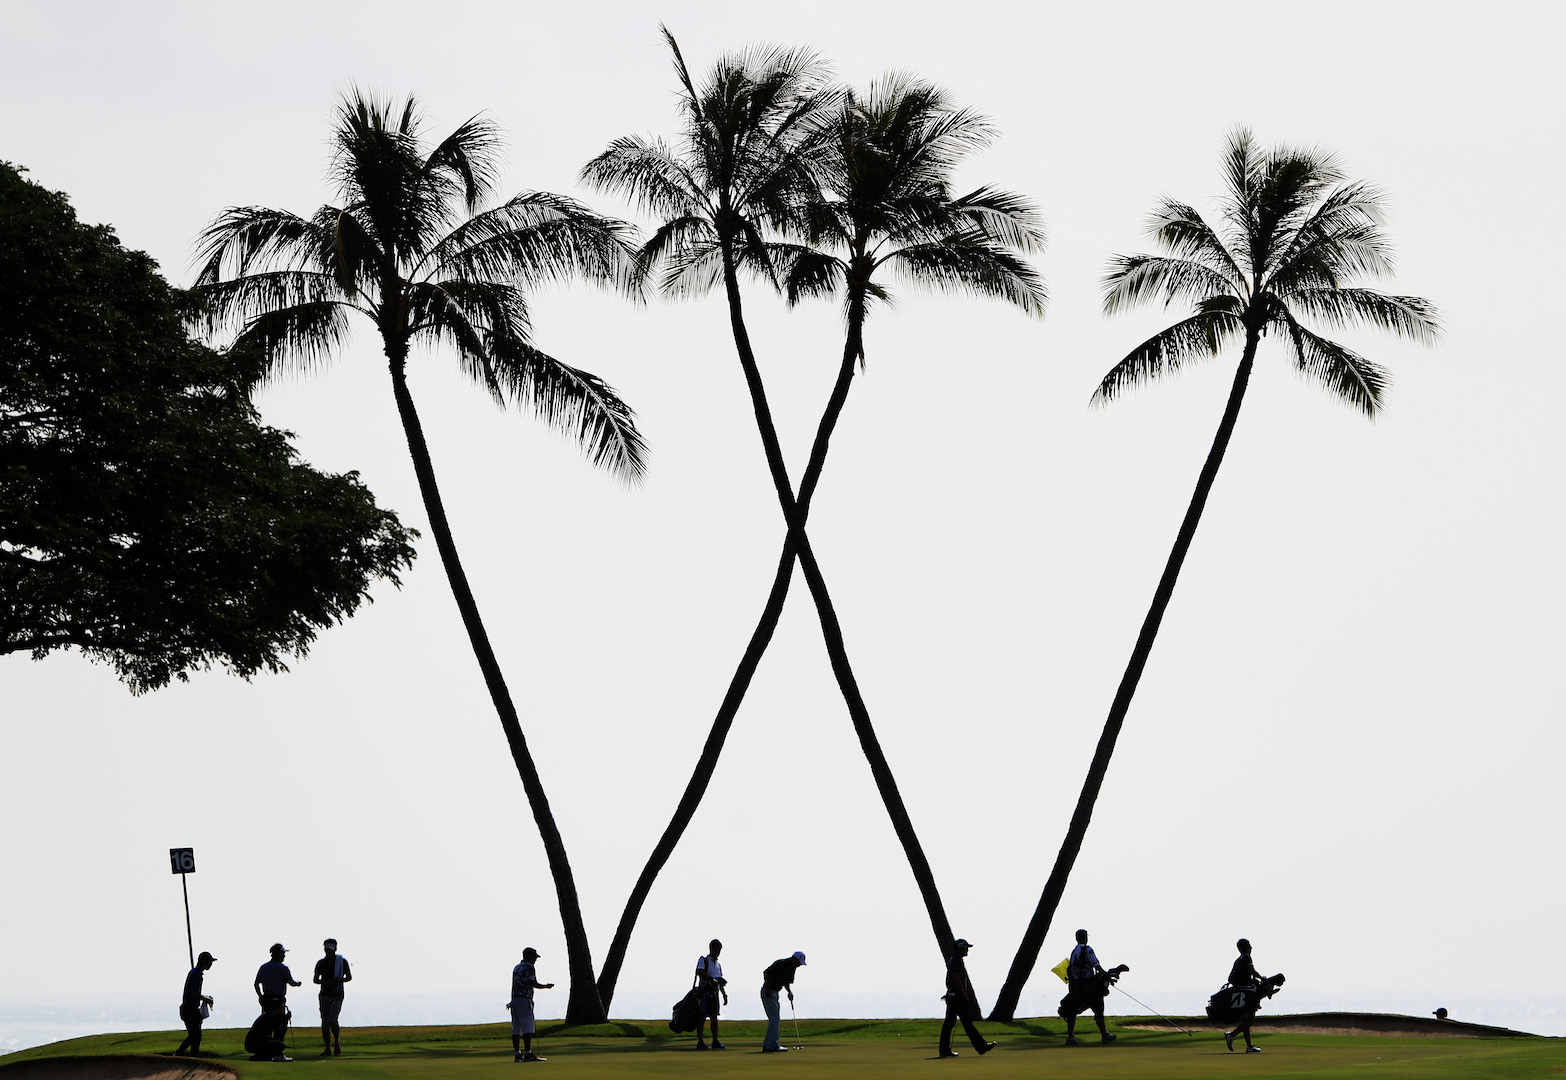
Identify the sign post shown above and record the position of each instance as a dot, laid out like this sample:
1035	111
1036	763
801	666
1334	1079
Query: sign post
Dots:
182	861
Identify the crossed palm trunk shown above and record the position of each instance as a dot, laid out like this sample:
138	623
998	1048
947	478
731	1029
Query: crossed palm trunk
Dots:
831	629
796	546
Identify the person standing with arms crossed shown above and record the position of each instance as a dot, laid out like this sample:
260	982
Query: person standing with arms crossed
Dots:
331	971
190	1005
709	976
778	976
524	980
960	1004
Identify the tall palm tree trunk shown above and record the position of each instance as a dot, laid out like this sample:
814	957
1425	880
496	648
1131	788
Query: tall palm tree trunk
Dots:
701	776
831	629
760	639
583	1005
1055	887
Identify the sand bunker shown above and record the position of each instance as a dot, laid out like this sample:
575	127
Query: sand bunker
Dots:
1347	1023
118	1067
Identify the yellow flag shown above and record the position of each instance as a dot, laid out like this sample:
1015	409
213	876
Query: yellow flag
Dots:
1061	968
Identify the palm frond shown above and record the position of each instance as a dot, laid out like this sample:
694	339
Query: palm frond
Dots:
236	301
808	273
468	155
242	238
972	264
536	237
1199	337
648	173
1136	279
1183	233
694	270
1347	375
577	403
1406	316
299	338
1006	218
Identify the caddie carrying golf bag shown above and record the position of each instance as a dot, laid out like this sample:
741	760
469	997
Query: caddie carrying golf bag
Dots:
687	1012
1232	1003
264	1040
1090	993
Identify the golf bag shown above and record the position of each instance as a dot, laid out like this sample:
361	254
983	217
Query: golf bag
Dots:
264	1040
1089	993
688	1011
1233	1003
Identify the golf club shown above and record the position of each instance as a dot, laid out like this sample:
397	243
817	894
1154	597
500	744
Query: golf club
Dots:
797	1044
1155	1012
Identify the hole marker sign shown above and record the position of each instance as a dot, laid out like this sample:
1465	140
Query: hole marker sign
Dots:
182	860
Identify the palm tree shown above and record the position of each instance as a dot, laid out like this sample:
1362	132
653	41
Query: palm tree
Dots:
409	247
1293	236
889	210
748	164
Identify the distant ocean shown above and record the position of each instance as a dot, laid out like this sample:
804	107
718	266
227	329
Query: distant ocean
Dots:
26	1022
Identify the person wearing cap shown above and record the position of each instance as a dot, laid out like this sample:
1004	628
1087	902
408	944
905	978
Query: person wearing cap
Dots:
273	979
267	1035
524	980
709	977
778	976
1087	986
190	1005
1243	976
961	1003
331	971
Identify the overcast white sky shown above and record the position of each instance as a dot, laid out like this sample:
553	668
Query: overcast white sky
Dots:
1347	745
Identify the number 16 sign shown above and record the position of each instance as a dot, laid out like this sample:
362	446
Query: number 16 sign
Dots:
182	861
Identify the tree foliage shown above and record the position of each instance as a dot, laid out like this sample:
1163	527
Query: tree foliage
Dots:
147	518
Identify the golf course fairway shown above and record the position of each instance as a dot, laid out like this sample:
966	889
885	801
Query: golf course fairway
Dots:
833	1050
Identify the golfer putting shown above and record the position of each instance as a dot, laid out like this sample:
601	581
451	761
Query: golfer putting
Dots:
779	977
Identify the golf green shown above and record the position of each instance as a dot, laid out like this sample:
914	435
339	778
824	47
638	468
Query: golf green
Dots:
832	1049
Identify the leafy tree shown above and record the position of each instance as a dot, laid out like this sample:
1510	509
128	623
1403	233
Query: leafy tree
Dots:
1293	237
409	247
147	518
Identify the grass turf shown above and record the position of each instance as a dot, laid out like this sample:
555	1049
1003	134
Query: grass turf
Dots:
839	1050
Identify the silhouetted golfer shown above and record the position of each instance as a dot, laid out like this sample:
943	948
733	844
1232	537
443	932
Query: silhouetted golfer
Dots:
266	1038
524	980
331	971
1087	987
709	978
273	980
778	976
191	1002
961	1004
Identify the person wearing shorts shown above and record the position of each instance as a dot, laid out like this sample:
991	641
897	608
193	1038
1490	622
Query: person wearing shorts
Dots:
331	971
709	977
524	980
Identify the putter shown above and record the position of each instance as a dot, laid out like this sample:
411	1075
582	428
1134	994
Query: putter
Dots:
797	1044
